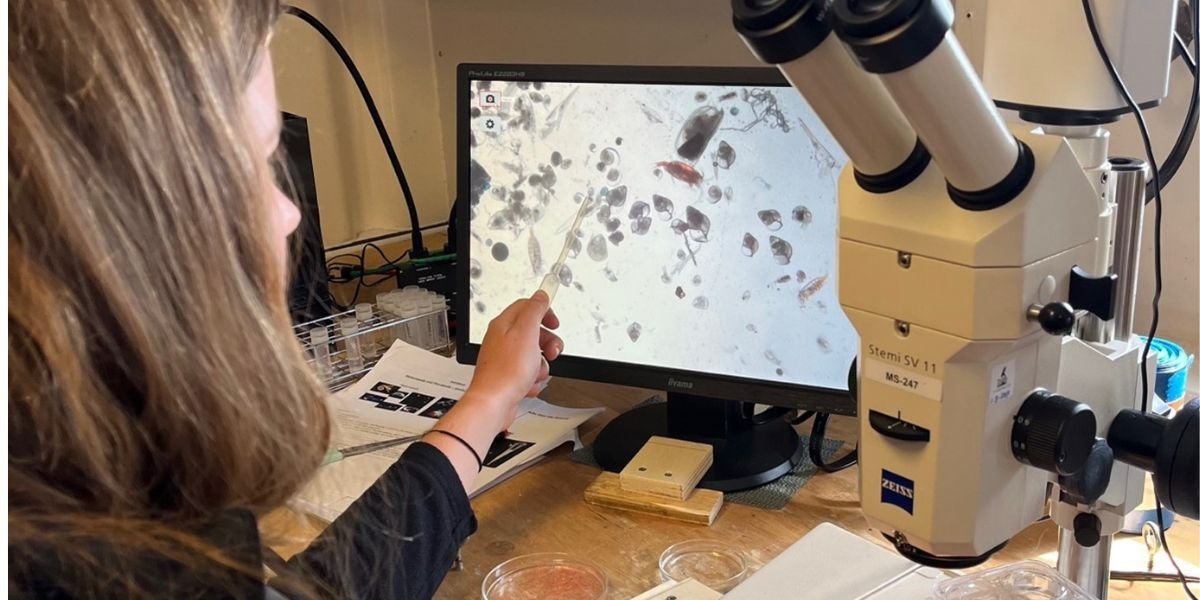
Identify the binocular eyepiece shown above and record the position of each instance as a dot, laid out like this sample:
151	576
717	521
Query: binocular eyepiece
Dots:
895	89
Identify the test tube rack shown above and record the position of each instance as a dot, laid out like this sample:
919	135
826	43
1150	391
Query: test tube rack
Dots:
342	347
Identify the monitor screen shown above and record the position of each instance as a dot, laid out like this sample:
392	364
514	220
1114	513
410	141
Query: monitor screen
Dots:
707	233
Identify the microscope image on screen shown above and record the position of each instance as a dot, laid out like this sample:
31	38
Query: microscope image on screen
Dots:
706	224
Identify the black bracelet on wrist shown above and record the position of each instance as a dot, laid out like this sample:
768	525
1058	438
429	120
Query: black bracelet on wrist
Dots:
463	442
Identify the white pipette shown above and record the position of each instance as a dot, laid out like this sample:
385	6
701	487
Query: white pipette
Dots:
550	281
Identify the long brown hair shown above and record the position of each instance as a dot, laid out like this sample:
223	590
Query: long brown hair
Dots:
153	378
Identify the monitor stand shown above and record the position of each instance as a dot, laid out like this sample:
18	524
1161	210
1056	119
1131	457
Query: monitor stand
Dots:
745	455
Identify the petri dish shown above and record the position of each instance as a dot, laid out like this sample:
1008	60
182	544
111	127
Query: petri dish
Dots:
714	564
1025	580
545	575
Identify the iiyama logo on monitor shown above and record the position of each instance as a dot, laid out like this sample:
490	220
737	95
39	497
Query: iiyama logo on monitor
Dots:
682	385
496	74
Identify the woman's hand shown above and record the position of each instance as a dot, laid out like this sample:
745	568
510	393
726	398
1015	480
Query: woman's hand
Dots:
512	365
512	362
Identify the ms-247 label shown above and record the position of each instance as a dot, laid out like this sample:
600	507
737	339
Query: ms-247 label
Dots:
905	379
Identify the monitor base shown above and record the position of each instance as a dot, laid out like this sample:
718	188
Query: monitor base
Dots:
745	455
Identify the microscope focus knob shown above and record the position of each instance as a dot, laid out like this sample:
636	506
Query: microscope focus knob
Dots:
1056	318
1053	433
1086	485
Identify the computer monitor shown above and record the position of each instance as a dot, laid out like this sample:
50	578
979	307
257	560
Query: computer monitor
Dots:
308	292
705	261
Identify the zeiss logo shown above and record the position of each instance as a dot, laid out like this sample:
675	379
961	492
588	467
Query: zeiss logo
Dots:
683	385
897	491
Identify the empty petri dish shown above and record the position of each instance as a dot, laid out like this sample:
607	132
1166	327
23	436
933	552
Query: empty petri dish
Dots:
545	575
715	564
1025	580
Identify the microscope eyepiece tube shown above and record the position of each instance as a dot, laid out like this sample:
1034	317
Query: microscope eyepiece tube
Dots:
909	45
853	104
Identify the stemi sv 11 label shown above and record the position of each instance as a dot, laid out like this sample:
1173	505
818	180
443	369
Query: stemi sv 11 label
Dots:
907	361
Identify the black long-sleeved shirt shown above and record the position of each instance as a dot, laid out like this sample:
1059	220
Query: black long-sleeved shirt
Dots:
397	541
401	537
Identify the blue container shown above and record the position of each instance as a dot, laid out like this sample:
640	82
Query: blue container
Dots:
1171	377
1133	521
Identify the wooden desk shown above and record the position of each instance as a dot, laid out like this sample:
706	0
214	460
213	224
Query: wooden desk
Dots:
542	510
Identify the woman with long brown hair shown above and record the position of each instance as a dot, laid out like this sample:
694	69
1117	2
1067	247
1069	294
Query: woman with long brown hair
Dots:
158	403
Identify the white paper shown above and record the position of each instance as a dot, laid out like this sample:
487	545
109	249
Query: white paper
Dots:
405	394
836	564
688	589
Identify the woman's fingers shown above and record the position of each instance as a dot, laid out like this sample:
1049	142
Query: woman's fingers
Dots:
543	379
504	321
551	345
532	311
526	312
550	321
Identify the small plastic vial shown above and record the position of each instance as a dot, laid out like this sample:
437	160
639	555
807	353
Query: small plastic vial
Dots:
350	338
441	327
387	300
318	340
365	313
389	303
412	332
428	323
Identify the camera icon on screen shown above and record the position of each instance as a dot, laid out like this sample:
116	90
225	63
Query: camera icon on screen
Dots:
489	99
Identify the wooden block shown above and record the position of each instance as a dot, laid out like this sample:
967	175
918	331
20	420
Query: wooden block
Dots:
701	507
667	467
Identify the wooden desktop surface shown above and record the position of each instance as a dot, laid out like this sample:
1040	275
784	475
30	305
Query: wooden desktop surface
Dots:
542	510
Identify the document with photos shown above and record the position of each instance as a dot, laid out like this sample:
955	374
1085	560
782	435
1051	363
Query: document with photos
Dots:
405	394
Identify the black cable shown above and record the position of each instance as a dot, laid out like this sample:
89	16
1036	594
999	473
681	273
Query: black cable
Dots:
918	555
1183	142
1157	189
353	299
1184	54
1162	537
361	262
816	442
385	236
386	261
766	416
417	243
362	274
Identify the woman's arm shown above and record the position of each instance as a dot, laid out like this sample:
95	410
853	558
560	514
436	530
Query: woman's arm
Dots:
401	537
